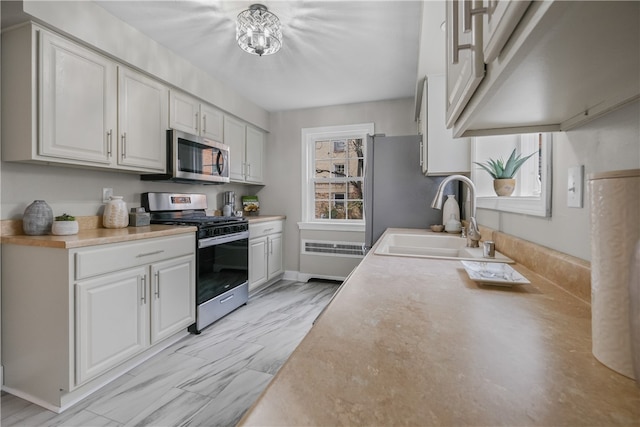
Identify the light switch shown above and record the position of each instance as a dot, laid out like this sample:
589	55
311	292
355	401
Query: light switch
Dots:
575	186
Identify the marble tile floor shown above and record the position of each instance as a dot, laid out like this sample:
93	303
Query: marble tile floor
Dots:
205	380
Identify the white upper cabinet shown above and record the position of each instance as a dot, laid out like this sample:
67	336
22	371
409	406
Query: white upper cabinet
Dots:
246	145
465	66
76	83
551	67
441	154
143	121
211	122
502	18
65	103
235	138
254	155
188	114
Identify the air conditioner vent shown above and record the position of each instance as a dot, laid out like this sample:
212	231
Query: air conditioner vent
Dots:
332	248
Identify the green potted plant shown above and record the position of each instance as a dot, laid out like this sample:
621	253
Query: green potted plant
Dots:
64	225
503	172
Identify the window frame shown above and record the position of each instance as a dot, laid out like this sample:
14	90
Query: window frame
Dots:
309	136
529	205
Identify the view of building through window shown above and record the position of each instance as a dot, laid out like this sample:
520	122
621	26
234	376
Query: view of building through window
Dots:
338	178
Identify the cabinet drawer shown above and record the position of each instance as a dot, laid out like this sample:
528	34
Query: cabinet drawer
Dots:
264	228
108	258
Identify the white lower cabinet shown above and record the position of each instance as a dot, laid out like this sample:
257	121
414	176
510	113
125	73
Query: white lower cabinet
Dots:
111	321
265	252
172	297
77	318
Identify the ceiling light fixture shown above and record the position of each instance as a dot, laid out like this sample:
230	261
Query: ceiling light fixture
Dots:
258	31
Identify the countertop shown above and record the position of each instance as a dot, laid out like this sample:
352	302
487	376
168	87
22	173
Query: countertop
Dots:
91	233
410	341
98	236
263	218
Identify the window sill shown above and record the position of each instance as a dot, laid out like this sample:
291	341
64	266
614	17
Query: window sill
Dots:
331	226
524	205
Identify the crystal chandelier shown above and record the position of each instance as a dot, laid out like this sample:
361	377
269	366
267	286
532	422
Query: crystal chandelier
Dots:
258	31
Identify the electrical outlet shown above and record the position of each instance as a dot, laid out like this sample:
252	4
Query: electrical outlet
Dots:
106	194
575	178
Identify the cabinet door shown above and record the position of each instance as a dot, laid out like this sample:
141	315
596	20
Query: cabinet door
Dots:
77	102
465	67
235	137
257	261
183	112
275	255
143	121
173	297
254	155
443	154
500	21
211	123
111	321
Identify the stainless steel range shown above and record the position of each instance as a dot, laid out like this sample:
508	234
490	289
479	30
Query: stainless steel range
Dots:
222	259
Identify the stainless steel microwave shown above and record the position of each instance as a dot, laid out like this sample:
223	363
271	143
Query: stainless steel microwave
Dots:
193	159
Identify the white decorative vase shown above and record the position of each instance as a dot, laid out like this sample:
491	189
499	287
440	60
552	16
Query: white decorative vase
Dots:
615	203
453	225
64	228
115	213
37	218
449	208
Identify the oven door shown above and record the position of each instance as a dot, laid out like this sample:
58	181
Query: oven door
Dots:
223	264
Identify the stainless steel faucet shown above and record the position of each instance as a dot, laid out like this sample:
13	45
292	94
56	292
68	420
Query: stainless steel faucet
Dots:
473	233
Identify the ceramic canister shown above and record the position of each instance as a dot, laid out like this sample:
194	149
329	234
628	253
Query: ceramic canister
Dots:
115	213
37	218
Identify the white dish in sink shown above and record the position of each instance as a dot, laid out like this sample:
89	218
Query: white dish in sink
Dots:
492	273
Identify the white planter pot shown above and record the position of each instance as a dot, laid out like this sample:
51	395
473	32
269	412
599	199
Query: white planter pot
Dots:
64	228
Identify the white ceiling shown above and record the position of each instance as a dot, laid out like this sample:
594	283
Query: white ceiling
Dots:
334	52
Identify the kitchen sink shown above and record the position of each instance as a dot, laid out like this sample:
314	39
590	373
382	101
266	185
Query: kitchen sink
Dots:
432	245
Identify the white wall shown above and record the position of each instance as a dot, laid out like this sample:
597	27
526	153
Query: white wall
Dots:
79	191
282	193
609	143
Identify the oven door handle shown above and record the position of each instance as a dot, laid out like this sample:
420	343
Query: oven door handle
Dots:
219	240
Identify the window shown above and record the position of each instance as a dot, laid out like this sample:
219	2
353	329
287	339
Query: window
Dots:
333	174
532	195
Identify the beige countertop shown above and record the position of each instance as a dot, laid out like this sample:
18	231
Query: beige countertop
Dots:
410	341
264	218
97	236
91	233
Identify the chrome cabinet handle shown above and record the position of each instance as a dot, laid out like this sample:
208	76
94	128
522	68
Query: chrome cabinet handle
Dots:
124	145
157	284
204	123
143	282
149	253
196	127
109	143
422	152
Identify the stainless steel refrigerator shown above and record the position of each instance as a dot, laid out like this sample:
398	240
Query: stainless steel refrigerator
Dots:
397	194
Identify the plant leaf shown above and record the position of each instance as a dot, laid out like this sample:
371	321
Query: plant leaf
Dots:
488	169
